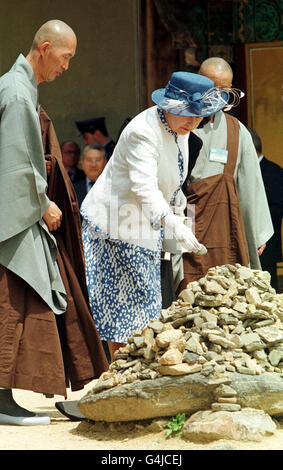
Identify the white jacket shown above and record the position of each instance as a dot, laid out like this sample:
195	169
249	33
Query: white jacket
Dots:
138	183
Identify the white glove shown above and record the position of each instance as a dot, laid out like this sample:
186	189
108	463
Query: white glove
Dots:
174	227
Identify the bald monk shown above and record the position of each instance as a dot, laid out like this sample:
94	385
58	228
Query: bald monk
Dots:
33	296
240	232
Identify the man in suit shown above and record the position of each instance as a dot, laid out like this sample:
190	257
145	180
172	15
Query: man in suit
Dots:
94	159
272	175
94	131
70	157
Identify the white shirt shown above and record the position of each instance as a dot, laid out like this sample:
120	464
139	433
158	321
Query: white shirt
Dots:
139	181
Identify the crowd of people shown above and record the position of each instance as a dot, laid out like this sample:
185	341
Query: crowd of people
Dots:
95	242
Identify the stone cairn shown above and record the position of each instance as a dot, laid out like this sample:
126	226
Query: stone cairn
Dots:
228	321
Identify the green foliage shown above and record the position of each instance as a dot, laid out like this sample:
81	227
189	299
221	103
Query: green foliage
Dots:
176	425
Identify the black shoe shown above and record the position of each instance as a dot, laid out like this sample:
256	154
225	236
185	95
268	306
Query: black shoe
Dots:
70	410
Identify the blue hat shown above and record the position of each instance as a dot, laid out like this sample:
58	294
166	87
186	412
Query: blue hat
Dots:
190	94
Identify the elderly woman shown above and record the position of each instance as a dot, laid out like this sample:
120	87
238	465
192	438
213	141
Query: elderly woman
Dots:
136	201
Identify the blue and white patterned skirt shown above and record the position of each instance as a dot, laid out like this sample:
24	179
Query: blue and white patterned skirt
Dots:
124	286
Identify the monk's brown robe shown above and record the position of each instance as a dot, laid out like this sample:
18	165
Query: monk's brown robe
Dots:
40	351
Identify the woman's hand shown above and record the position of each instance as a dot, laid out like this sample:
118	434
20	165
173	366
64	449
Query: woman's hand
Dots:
175	228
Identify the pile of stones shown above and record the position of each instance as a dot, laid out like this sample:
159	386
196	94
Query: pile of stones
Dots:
229	321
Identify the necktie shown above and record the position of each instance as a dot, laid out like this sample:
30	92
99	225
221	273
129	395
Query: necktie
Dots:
70	173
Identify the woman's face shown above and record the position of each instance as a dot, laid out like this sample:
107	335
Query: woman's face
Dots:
182	124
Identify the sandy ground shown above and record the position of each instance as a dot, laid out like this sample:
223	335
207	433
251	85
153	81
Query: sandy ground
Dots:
63	434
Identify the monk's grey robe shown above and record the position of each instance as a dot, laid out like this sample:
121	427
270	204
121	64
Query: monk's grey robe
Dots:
27	248
247	175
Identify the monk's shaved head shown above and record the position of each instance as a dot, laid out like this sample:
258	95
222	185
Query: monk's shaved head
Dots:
217	63
53	47
218	70
53	31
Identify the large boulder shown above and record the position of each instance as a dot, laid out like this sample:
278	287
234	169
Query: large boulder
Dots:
168	396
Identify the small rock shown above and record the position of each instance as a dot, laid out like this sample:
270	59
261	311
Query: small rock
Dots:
148	335
214	356
251	308
207	369
244	273
246	370
275	357
227	400
251	341
219	368
225	343
240	306
210	316
157	425
149	354
245	425
180	369
262	323
268	306
212	287
225	391
207	300
190	357
104	385
139	341
270	334
166	337
260	355
188	296
252	296
225	407
228	319
156	326
263	276
194	345
238	329
170	357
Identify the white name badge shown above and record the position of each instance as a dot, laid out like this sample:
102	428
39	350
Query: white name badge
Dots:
218	155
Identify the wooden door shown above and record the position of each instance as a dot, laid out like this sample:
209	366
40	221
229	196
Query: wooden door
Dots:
259	73
264	80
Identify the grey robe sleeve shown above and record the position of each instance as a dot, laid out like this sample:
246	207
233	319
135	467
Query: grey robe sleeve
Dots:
23	199
253	200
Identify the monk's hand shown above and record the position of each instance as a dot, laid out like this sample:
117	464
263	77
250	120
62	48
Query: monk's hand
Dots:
48	165
53	217
260	249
